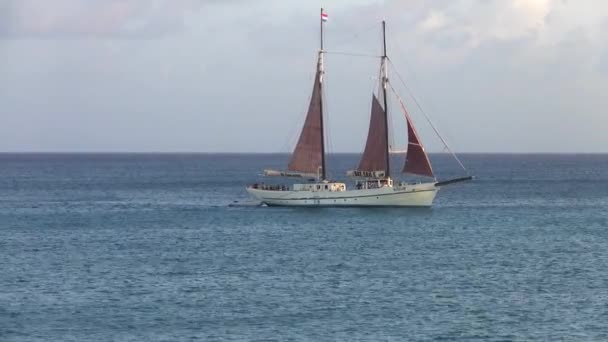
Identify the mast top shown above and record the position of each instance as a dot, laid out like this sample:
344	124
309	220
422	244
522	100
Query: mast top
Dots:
376	157
323	18
384	38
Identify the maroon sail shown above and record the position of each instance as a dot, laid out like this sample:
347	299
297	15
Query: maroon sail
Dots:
308	154
416	159
374	155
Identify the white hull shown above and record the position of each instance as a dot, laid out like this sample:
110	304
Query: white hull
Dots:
414	195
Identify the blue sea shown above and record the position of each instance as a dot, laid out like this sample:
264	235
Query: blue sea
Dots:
146	247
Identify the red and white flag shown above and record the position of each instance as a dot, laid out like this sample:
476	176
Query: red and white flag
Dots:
324	16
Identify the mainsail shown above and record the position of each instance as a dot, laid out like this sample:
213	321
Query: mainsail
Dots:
309	152
308	158
374	155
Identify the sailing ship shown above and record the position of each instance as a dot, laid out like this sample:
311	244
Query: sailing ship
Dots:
374	185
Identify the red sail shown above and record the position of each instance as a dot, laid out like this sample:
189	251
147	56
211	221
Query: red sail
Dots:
307	156
416	160
374	155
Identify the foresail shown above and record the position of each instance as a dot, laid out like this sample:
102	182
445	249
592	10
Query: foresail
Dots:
308	154
416	160
374	155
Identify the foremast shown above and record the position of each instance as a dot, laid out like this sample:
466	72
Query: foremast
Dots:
384	87
308	158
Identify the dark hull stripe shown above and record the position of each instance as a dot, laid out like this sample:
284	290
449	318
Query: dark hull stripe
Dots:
350	206
336	198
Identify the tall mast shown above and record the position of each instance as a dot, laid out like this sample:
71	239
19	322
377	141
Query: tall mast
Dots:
321	72
384	84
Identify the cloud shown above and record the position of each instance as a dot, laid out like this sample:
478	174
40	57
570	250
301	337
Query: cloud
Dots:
446	32
525	72
100	18
58	19
434	21
484	21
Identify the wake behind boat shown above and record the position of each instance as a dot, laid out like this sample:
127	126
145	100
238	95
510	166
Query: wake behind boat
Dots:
374	186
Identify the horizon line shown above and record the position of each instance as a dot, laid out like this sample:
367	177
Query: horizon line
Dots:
275	153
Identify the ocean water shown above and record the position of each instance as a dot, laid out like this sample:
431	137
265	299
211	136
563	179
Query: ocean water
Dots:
146	248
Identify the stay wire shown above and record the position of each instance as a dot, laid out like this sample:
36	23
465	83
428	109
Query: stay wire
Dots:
428	119
355	36
354	54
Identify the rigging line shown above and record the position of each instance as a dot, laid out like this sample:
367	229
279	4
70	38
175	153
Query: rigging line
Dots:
374	83
428	119
355	36
351	54
293	134
393	144
411	69
446	147
409	123
391	121
328	123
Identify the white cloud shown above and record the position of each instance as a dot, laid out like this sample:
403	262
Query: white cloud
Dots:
434	21
440	32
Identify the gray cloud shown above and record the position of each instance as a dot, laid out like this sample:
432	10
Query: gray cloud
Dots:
93	18
496	75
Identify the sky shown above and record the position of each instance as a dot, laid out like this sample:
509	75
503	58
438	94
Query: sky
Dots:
513	76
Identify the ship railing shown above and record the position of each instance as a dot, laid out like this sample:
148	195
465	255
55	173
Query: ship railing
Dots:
270	187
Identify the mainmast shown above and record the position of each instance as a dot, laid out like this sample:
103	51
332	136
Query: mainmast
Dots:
384	86
321	72
375	157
